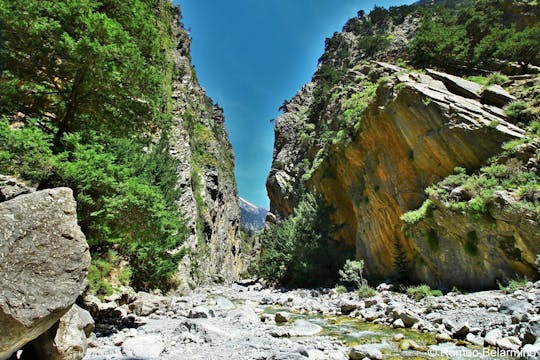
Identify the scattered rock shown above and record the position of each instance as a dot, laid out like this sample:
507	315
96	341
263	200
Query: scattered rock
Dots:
370	351
146	304
510	307
398	324
304	328
144	346
509	343
532	332
66	340
224	303
495	95
201	312
11	188
493	336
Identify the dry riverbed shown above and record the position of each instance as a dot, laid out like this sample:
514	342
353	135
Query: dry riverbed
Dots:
250	321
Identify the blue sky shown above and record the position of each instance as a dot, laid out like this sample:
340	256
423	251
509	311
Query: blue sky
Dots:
250	55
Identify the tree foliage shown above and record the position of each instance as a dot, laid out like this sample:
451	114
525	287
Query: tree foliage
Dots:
84	90
299	251
484	33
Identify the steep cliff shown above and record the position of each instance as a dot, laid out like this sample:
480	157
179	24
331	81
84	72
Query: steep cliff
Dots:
371	136
205	172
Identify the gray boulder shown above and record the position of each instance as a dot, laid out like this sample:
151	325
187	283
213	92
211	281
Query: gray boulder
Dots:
146	304
67	340
44	258
511	307
143	346
369	351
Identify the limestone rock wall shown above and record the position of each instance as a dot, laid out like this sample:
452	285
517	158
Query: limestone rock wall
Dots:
205	173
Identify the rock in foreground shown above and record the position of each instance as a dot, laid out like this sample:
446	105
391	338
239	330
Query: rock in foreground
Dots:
44	258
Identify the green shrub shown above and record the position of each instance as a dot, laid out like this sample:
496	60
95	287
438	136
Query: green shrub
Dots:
366	291
518	111
340	289
298	251
514	285
421	292
352	272
25	152
496	79
423	212
373	44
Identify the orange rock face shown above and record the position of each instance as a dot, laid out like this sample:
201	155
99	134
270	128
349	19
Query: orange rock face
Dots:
412	135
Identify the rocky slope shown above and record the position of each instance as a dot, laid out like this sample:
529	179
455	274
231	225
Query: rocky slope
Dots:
44	261
251	216
370	137
205	174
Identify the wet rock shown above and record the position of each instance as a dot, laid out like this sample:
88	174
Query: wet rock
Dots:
348	307
475	340
281	317
460	331
304	328
532	332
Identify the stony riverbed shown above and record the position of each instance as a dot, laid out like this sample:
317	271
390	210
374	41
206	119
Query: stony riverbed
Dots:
250	321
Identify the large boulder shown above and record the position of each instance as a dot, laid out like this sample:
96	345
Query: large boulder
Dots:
44	258
66	340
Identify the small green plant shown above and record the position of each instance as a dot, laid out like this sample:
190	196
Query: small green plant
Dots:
352	272
340	289
518	111
494	123
496	78
425	211
514	285
426	101
366	291
423	291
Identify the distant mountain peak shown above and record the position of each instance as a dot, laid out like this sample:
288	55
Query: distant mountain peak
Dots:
251	216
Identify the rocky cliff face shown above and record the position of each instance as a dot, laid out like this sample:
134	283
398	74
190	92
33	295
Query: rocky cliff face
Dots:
205	174
44	258
371	137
